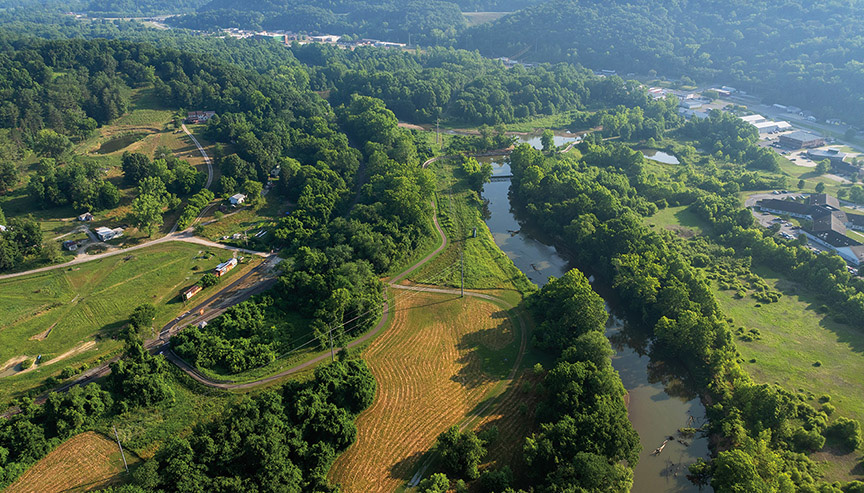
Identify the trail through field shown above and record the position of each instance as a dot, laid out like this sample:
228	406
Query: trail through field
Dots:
85	462
431	368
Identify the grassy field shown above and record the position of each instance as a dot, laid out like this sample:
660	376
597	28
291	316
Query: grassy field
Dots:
70	315
465	348
85	462
679	220
486	267
794	337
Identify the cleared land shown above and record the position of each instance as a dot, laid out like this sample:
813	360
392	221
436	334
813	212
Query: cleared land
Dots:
794	338
678	220
69	315
440	358
85	462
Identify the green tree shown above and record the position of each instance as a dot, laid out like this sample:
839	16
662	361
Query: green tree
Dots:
823	167
9	175
252	189
461	452
51	144
801	184
208	279
820	187
547	140
436	483
147	213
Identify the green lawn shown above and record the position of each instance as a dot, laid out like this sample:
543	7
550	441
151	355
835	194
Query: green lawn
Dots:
71	314
677	219
794	336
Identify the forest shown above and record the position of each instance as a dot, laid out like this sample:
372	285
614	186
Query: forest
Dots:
792	52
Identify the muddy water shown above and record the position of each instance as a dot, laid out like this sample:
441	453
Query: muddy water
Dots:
658	403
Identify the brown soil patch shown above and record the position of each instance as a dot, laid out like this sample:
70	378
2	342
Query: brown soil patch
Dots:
85	462
8	367
43	335
428	379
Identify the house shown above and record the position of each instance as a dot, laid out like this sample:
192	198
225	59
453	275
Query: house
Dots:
199	116
785	208
70	245
106	234
2	228
801	139
793	109
192	291
85	217
224	267
237	199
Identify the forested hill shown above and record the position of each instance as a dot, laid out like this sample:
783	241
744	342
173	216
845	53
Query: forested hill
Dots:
796	52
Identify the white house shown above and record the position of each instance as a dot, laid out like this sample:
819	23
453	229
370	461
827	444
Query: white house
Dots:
237	199
106	234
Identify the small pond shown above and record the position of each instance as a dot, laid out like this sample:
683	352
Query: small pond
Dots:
660	156
118	143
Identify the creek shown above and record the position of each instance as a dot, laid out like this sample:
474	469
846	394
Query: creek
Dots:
658	402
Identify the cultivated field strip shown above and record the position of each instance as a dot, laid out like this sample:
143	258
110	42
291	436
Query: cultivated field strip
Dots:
429	378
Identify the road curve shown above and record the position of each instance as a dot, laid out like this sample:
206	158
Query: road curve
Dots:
203	154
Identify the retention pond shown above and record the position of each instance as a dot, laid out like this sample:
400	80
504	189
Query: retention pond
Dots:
658	403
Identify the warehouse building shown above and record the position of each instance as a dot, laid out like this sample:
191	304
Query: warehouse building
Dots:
801	140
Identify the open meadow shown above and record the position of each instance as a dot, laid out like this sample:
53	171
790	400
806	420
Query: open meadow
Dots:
72	315
441	359
804	351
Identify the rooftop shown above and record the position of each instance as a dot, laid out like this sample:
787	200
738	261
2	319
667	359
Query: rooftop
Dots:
801	135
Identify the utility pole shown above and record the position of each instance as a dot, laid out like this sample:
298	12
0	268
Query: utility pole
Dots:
437	130
332	358
462	283
121	448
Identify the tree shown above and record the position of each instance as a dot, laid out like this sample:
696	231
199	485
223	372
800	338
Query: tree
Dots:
823	167
820	187
436	483
252	189
142	317
134	166
801	184
147	213
51	144
461	452
8	175
548	141
209	279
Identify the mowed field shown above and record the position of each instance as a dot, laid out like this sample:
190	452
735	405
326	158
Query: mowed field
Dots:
441	359
85	462
70	314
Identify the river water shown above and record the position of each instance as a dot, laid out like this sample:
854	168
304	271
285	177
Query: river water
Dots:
658	403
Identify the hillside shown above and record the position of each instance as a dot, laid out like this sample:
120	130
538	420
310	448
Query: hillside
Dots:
789	51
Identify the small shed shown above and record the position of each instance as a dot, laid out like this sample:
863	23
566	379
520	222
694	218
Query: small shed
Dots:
85	217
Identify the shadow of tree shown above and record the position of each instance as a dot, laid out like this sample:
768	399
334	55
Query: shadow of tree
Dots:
481	364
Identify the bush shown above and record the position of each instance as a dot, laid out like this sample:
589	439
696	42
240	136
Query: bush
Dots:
807	441
817	364
496	481
824	398
846	431
828	408
27	363
436	483
208	280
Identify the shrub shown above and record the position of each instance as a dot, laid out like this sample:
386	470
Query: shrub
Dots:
27	363
824	398
846	431
817	364
828	408
208	280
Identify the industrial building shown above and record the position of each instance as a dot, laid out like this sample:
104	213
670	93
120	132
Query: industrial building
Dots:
829	223
801	140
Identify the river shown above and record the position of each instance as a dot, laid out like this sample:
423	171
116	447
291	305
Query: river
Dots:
657	404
